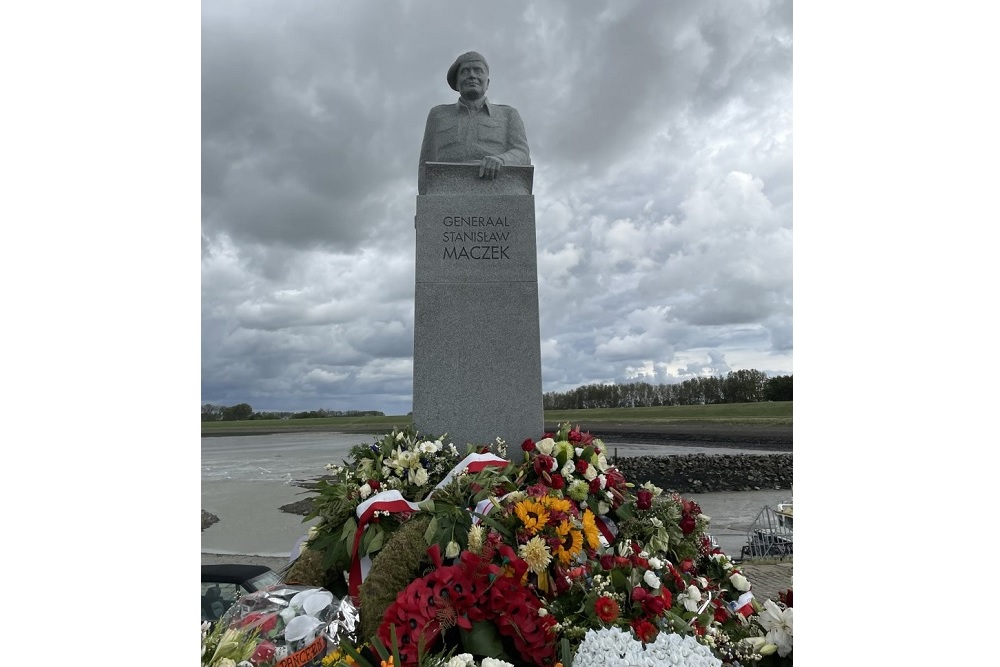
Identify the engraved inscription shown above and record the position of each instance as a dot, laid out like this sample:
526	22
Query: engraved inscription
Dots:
489	244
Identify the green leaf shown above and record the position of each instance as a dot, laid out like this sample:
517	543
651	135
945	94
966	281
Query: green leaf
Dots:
483	639
431	533
376	542
426	505
507	534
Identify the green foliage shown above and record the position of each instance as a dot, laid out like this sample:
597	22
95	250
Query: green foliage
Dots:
395	566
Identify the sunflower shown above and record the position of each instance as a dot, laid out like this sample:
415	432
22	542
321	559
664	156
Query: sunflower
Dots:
556	504
536	554
532	514
570	542
590	530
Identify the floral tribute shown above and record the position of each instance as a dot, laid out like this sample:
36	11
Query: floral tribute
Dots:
556	560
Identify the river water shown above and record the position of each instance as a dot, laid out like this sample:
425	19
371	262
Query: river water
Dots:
245	479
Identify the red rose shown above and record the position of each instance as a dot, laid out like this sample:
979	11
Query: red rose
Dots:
607	562
644	499
375	484
786	598
607	609
574	436
595	485
687	524
528	445
653	605
687	565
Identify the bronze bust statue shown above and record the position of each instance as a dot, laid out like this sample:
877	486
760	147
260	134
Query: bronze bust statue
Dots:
473	129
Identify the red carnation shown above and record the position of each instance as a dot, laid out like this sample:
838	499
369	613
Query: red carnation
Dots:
652	605
558	481
575	436
581	466
607	609
595	486
644	499
528	445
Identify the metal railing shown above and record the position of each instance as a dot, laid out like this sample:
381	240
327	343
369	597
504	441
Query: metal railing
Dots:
770	536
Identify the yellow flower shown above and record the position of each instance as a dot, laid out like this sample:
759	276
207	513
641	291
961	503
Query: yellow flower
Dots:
590	530
536	554
556	504
388	663
571	542
532	514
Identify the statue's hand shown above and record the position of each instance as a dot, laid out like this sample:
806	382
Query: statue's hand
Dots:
490	168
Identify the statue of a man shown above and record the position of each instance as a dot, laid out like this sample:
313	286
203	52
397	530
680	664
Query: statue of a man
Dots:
473	129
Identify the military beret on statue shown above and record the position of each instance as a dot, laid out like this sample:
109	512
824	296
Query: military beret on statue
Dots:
465	57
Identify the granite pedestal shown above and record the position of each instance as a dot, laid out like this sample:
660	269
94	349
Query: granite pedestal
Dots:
476	353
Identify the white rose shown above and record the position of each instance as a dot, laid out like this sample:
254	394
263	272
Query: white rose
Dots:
739	582
452	549
691	598
651	579
655	563
603	507
568	469
602	463
421	477
591	473
545	446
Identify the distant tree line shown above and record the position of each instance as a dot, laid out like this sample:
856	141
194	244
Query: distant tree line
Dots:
743	386
243	411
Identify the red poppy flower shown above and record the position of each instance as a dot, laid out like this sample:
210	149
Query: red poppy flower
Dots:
607	609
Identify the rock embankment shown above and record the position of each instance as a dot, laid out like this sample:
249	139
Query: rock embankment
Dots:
705	473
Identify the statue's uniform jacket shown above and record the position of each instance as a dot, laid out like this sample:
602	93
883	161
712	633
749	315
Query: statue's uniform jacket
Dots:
457	133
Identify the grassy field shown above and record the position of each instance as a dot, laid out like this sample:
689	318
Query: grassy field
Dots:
742	414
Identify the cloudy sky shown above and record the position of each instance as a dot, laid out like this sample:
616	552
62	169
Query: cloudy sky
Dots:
660	132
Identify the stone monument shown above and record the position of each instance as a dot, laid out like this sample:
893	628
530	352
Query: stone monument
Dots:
476	346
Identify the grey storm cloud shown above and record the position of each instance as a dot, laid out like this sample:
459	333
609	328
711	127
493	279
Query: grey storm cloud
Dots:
661	139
